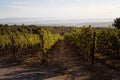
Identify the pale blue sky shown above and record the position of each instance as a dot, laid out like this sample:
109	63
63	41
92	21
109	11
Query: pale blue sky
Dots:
73	9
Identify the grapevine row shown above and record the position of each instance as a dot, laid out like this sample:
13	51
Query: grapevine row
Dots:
106	39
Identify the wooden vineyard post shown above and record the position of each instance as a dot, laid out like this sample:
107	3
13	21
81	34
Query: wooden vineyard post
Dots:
43	51
43	47
13	47
48	44
93	49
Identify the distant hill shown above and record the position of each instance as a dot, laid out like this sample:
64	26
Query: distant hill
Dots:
57	22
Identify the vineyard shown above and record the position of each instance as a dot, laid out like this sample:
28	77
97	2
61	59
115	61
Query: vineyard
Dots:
99	43
18	39
35	46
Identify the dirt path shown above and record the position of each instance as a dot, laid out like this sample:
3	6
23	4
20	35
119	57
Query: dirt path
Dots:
65	61
64	64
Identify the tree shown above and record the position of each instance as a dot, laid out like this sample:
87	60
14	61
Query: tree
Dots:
117	23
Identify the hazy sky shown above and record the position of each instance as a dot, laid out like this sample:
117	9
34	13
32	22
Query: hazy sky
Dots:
82	9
